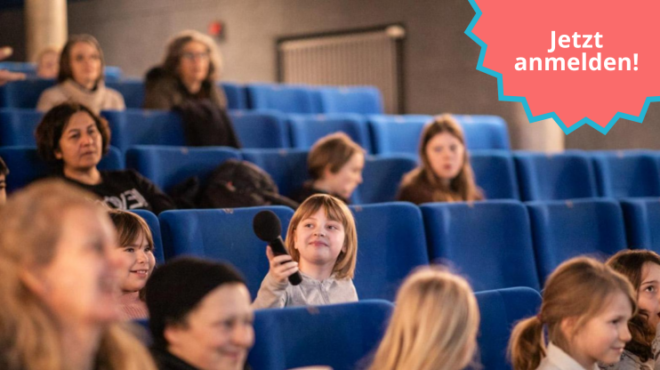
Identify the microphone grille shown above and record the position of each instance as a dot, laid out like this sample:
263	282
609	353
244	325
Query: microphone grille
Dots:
267	225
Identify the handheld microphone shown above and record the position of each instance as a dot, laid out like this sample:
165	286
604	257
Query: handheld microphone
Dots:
267	227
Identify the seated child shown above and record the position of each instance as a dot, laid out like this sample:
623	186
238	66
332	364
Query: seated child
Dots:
322	243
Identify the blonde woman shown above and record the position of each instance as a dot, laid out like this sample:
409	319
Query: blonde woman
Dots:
57	283
434	325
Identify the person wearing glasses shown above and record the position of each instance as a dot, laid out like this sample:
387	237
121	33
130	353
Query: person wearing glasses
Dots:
186	82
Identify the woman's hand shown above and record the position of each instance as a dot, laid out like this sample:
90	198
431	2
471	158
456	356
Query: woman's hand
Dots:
281	267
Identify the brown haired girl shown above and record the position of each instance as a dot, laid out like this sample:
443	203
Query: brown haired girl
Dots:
80	78
445	174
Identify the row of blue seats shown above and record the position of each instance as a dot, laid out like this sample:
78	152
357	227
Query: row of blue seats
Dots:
381	134
30	69
501	174
264	96
498	244
291	337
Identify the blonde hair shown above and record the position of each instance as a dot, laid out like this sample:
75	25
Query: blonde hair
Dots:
581	288
335	210
462	187
29	334
334	150
434	325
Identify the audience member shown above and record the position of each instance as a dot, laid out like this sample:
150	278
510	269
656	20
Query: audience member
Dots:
335	165
48	63
4	171
57	277
200	316
434	324
322	245
445	174
138	262
186	82
642	268
80	78
7	76
585	310
74	138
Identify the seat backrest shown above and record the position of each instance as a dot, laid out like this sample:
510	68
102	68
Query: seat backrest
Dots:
483	240
565	229
23	94
500	310
381	178
555	176
131	90
495	174
169	166
17	126
288	168
641	215
354	99
25	165
221	234
236	95
282	98
627	174
391	244
145	127
307	129
484	132
261	130
154	225
397	134
340	336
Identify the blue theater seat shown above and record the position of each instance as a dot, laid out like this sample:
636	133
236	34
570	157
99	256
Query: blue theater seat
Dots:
23	94
169	166
145	127
112	73
483	241
484	132
261	130
397	134
555	176
131	90
236	95
564	229
26	166
627	174
495	174
641	216
288	168
154	225
283	98
381	178
500	310
221	234
30	69
353	99
17	126
339	336
306	130
391	244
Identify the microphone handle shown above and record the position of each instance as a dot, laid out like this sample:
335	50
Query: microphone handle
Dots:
278	249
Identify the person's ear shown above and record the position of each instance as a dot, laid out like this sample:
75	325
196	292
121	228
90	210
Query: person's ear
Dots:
295	238
174	334
58	153
33	282
327	172
568	326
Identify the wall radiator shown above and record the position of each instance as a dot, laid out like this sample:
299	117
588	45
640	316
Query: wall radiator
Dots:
371	57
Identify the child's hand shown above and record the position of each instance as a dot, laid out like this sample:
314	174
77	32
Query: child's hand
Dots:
281	267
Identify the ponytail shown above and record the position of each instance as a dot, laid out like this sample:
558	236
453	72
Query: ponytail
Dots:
527	345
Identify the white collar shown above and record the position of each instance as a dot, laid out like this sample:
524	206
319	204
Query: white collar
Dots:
561	360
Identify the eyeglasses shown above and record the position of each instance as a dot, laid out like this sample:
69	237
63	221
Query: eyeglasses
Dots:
193	56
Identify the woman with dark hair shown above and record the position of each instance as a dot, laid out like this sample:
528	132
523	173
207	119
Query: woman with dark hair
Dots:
80	78
75	139
186	82
445	174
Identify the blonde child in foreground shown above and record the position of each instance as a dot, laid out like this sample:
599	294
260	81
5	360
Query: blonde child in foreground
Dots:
434	325
322	243
586	307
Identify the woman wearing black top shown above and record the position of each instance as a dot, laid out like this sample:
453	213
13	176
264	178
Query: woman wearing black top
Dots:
75	139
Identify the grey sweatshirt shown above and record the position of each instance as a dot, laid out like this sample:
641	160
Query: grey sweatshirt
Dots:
632	362
273	294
